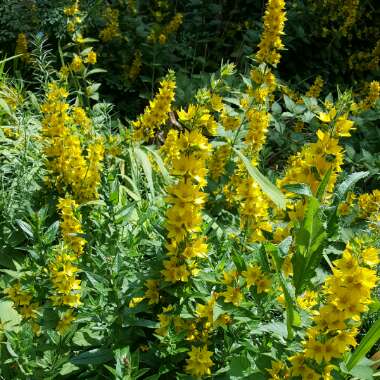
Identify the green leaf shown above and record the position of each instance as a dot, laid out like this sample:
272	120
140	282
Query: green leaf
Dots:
27	229
299	188
288	293
266	186
369	340
143	159
9	316
51	232
323	185
94	71
350	181
239	364
309	245
159	162
96	356
290	105
362	372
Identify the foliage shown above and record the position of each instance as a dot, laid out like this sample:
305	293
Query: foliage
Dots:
229	230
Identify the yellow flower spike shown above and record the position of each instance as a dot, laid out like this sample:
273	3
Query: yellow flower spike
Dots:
270	42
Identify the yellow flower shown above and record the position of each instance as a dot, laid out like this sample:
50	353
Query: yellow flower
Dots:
371	256
233	295
76	63
152	292
135	301
65	321
91	57
199	362
252	275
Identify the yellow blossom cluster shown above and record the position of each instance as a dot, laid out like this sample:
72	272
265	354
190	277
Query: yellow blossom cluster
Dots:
91	181
71	225
254	276
23	301
77	63
315	89
218	160
263	84
307	300
372	97
73	16
254	209
369	208
66	286
199	362
112	29
65	283
66	160
91	57
81	119
198	116
161	35
258	124
347	292
270	43
313	161
157	113
135	68
22	47
186	198
341	126
365	60
63	148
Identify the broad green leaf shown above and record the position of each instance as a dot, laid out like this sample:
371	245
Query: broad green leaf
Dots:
309	245
143	159
159	162
94	71
299	188
350	181
96	356
323	185
27	229
239	364
288	293
9	317
369	340
266	186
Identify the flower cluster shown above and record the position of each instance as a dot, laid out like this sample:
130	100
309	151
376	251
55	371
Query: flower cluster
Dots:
22	47
198	116
71	169
157	113
218	160
161	34
199	362
270	43
66	286
347	292
186	198
253	209
315	89
23	301
71	225
73	16
135	68
312	163
112	29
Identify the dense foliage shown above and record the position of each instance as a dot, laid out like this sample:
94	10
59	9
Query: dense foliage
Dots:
182	196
